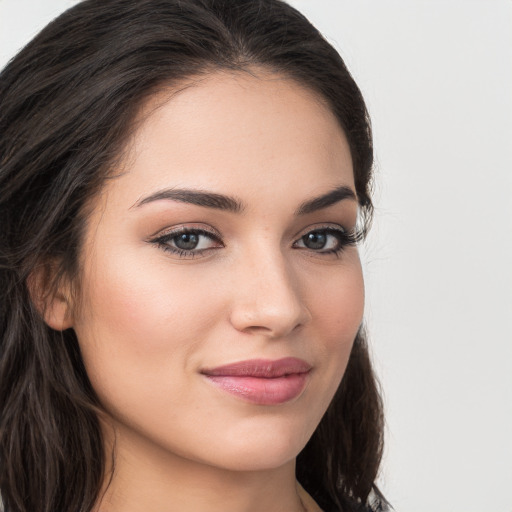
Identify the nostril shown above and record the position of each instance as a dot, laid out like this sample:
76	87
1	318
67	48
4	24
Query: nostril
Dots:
260	330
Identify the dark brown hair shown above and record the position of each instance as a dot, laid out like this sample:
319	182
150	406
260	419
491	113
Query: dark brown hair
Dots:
67	103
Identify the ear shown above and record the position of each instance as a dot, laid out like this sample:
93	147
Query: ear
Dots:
53	303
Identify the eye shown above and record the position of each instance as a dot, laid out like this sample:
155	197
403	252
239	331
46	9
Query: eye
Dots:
188	242
326	240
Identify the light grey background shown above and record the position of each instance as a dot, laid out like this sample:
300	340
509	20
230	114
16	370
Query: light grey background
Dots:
437	77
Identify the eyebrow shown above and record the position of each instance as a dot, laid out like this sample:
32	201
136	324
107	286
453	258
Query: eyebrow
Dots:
232	204
326	200
197	197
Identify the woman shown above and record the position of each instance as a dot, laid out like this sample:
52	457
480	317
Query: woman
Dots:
182	186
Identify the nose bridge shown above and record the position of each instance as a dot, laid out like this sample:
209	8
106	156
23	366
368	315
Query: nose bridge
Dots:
268	298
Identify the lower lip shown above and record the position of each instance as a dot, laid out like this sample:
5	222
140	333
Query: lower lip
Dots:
262	391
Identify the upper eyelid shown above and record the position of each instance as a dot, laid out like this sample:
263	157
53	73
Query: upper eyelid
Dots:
322	226
185	228
344	232
210	231
354	234
164	238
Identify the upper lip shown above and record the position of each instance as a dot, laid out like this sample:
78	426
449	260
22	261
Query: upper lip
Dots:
262	368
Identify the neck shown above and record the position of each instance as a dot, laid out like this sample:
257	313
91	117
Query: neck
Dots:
146	478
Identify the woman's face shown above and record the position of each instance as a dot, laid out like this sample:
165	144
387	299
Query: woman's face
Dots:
221	290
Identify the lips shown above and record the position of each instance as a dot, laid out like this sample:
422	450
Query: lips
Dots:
261	381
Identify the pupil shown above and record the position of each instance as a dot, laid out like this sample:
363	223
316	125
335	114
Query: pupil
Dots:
315	240
187	241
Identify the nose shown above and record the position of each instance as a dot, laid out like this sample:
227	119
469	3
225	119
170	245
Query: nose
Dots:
267	299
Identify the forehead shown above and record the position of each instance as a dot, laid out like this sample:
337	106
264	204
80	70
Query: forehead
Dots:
235	133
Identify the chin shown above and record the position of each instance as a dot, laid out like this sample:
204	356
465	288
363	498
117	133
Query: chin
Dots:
262	447
258	458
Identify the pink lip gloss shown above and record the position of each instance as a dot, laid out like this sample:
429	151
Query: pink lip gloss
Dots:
262	382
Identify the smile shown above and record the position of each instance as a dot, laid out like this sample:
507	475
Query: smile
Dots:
262	382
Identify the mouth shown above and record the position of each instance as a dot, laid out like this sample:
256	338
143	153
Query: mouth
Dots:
261	381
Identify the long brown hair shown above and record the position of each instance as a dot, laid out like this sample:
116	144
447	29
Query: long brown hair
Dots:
68	101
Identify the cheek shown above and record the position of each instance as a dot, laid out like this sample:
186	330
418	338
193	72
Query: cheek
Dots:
338	304
138	298
335	299
337	309
140	326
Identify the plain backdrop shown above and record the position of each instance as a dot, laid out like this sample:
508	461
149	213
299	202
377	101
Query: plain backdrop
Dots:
437	77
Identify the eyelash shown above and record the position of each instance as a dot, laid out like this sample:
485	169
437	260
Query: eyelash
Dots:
345	239
164	240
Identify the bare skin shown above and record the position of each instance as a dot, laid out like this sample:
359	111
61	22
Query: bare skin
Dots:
272	276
